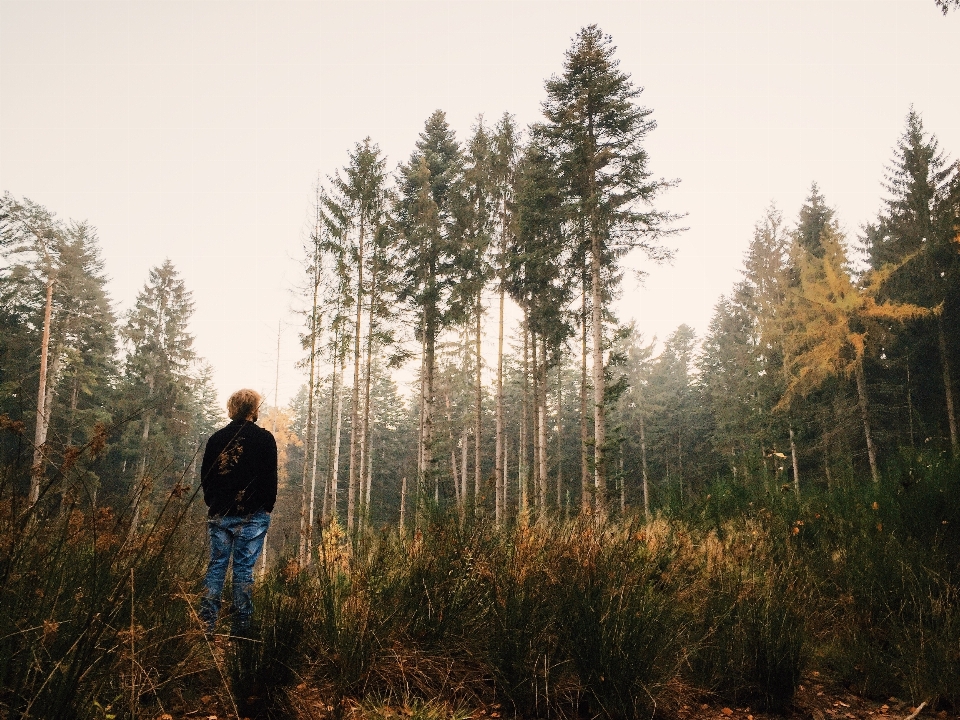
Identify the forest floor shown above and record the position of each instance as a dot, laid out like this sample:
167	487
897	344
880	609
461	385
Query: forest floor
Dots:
816	698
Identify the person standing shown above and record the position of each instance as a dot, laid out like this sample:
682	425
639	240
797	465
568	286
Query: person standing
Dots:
239	480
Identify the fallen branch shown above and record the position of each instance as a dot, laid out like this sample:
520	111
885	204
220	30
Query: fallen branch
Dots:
916	712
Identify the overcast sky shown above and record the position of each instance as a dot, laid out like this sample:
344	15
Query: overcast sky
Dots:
195	131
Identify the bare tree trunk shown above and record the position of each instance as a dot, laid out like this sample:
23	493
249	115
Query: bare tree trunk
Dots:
599	411
643	459
365	436
796	465
460	495
428	400
478	424
365	446
423	405
403	503
305	520
500	470
506	477
864	415
43	417
535	376
54	373
623	492
559	435
355	408
524	422
585	490
542	457
142	470
948	388
337	441
74	396
328	451
369	482
464	442
311	520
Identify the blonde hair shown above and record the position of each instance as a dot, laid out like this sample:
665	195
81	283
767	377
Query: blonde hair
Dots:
244	405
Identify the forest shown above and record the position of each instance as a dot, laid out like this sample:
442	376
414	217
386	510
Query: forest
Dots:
497	494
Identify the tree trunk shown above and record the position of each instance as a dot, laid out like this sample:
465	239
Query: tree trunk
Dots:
142	470
864	415
365	436
542	431
478	423
403	503
948	388
464	443
355	408
330	430
305	520
623	492
559	435
74	396
506	477
337	440
313	478
428	400
460	498
43	417
643	459
524	423
500	469
369	475
535	376
423	404
585	490
599	411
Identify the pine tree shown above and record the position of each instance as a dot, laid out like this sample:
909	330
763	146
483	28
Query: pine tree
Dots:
53	282
916	232
596	130
539	279
503	167
158	376
834	324
475	212
355	217
426	225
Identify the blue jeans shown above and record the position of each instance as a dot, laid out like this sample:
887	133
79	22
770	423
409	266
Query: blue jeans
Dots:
242	537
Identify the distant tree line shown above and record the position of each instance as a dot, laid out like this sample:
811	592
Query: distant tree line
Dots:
77	380
832	360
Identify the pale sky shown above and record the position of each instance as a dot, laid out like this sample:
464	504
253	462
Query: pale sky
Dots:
195	130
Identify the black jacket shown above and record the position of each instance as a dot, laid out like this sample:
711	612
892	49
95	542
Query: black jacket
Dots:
239	472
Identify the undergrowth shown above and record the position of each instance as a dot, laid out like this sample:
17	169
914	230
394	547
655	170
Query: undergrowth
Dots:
735	599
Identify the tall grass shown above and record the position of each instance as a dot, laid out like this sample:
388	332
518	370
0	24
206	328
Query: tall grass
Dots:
734	599
94	620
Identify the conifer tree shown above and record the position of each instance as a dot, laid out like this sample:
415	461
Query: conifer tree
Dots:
596	129
917	232
833	325
355	215
53	287
503	167
158	362
540	281
476	217
426	225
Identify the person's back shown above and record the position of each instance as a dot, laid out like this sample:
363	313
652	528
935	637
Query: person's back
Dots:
239	470
239	479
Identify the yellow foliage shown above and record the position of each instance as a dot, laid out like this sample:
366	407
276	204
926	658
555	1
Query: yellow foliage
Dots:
834	319
278	421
